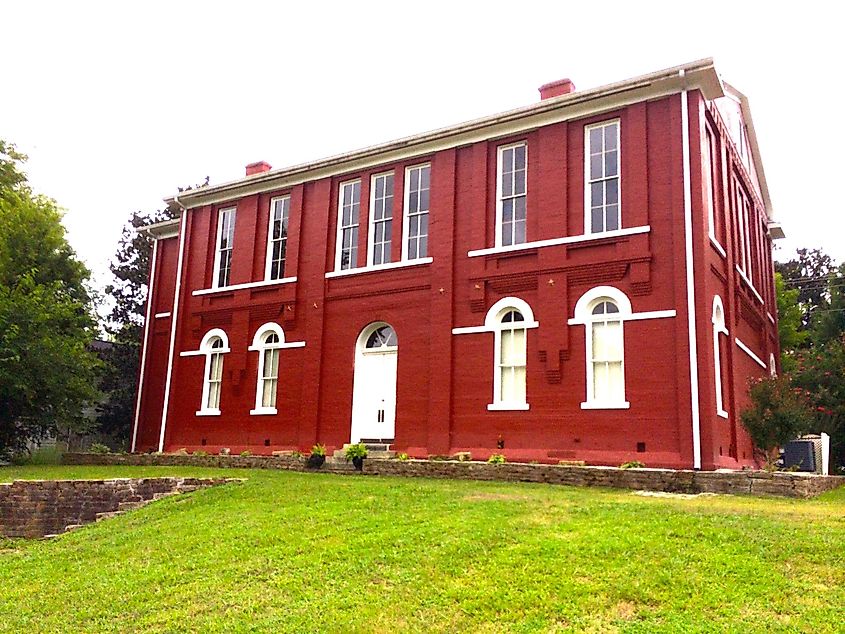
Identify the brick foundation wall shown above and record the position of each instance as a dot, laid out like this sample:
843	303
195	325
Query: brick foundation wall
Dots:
35	508
797	485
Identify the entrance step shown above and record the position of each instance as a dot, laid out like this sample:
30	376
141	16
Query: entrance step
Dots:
377	450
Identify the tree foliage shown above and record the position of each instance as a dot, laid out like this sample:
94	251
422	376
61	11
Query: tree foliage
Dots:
47	370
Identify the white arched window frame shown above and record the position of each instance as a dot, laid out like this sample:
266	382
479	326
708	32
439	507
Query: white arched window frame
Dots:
719	328
773	368
603	311
214	344
268	341
509	320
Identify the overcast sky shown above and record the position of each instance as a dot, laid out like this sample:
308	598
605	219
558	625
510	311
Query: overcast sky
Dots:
117	105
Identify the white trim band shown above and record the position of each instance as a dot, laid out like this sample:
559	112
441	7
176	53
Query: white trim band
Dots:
203	352
718	246
618	233
162	315
650	314
471	330
277	346
238	287
379	267
263	411
750	353
608	405
508	407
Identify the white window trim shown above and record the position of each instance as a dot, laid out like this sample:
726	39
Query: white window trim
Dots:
710	190
379	267
239	287
493	321
206	351
588	216
406	195
750	353
718	328
259	346
268	260
750	284
551	242
162	315
371	221
339	232
215	277
499	151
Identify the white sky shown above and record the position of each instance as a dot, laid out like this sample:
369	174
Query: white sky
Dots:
118	104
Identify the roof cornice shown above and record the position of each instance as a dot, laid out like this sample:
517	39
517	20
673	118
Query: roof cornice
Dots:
700	74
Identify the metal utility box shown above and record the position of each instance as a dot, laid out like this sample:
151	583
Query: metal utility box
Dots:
801	454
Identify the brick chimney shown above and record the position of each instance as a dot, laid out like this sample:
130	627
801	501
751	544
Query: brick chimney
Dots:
556	89
257	168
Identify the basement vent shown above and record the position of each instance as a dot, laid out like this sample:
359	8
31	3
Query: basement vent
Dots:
640	447
204	442
266	442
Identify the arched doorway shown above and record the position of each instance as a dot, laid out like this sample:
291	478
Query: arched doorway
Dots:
374	389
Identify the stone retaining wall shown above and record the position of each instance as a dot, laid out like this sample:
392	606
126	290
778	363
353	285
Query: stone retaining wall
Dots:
798	485
35	508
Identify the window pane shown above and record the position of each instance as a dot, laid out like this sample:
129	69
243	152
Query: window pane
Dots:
610	137
597	220
519	208
595	140
596	194
595	166
424	196
612	218
519	232
611	164
611	188
423	250
507	210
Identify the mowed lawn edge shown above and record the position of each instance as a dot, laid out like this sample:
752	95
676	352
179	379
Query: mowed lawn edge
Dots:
291	551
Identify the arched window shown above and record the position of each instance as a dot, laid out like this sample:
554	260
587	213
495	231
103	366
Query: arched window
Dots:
214	345
602	310
718	328
268	340
509	320
381	339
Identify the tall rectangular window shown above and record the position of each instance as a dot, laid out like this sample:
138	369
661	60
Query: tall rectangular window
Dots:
277	238
349	207
381	218
601	167
710	159
742	215
223	252
417	190
511	194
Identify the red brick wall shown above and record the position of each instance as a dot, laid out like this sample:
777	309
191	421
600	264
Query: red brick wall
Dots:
445	380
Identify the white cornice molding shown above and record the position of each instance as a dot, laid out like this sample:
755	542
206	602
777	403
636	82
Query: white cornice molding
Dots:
700	75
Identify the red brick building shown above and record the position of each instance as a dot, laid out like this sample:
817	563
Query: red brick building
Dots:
585	278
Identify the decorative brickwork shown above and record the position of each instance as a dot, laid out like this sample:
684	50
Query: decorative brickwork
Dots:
797	485
35	508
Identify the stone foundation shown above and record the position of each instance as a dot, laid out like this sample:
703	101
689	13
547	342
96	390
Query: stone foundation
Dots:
37	508
796	485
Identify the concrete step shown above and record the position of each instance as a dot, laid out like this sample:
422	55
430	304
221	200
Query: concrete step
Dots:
374	450
107	515
73	527
167	494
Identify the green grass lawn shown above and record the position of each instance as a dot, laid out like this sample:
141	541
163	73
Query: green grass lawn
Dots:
291	552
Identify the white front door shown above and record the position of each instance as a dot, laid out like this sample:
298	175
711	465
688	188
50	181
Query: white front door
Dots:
374	391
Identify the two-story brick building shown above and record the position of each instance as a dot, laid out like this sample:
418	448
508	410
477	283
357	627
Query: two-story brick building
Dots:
585	278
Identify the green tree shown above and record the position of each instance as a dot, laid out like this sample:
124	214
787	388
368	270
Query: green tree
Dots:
829	323
790	331
47	370
808	274
130	269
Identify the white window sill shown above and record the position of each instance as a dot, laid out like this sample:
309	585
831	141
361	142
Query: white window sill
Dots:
208	412
601	405
722	414
618	233
263	411
238	287
508	407
718	246
750	284
379	267
162	315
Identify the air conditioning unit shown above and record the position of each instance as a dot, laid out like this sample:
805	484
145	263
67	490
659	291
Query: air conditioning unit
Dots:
810	453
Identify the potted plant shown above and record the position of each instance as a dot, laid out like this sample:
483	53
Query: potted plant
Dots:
317	457
356	453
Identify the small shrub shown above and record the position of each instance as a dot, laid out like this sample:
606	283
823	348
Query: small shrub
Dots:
632	464
318	450
246	454
402	456
496	458
357	450
777	413
200	453
296	454
99	447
